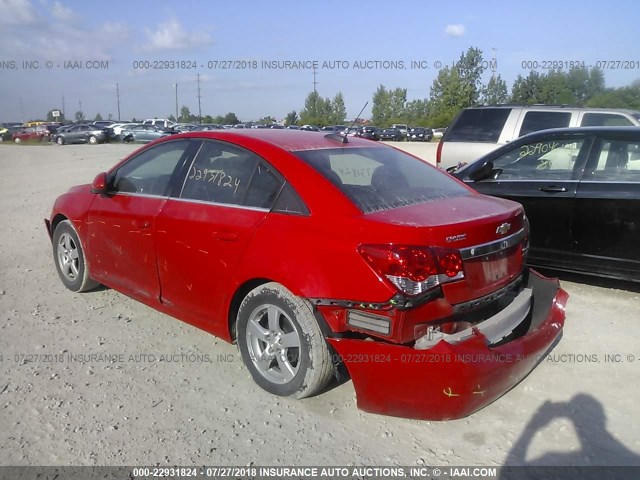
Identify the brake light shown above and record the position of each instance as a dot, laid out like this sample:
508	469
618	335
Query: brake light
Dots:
414	270
439	154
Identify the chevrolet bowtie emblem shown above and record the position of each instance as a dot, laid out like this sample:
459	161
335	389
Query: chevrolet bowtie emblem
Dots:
504	228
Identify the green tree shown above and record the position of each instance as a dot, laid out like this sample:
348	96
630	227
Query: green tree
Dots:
495	91
229	119
185	115
446	97
172	118
417	113
388	106
623	97
291	118
98	117
316	111
79	116
527	90
470	71
338	109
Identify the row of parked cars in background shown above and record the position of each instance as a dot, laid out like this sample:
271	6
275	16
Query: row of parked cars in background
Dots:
142	132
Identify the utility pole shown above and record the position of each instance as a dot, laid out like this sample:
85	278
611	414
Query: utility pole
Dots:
494	62
118	98
176	85
199	106
315	93
63	109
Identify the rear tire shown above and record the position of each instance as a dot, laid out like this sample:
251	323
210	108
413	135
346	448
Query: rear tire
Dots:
69	258
93	140
60	141
281	343
17	140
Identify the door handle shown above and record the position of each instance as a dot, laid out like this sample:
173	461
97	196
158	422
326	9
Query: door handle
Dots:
141	223
552	189
227	236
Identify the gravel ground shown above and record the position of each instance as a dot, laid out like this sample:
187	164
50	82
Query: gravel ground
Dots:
99	379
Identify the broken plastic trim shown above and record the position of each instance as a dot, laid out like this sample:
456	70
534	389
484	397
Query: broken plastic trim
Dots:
399	301
495	328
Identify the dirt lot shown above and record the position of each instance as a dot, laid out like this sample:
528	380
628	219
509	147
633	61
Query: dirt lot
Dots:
59	405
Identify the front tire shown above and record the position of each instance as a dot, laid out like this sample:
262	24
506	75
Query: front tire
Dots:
281	343
70	260
17	140
93	140
60	141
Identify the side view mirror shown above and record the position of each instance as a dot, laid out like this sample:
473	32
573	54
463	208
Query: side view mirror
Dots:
99	185
481	171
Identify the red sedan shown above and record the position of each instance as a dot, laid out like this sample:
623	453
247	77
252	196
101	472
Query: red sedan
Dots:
31	134
312	251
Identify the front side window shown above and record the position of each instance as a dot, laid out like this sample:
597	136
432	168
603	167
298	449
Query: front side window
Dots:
534	121
225	173
150	172
544	160
381	178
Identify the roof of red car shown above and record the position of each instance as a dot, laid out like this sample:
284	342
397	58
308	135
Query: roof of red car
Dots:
291	140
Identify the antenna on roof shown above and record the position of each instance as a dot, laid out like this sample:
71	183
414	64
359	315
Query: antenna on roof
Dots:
343	138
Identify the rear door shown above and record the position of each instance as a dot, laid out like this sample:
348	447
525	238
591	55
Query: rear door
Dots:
607	208
542	176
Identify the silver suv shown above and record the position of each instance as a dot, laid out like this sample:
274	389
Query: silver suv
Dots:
479	130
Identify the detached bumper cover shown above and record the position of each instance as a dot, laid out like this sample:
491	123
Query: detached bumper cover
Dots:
450	381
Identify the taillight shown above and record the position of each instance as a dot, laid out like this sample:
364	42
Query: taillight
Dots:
414	270
439	154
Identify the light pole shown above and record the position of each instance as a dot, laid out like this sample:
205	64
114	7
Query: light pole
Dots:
176	85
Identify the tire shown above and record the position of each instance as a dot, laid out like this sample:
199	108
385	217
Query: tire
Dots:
93	140
60	141
281	343
68	256
17	140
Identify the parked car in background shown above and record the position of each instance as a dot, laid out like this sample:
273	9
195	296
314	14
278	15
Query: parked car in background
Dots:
369	132
80	134
235	232
309	128
38	133
118	127
476	131
145	133
420	134
439	132
580	188
104	123
293	127
402	127
391	134
5	134
159	122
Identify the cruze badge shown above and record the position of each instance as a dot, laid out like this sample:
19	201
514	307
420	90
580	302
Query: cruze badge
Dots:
504	228
456	238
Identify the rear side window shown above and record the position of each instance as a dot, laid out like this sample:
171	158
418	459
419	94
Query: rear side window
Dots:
618	161
605	120
478	125
534	121
377	179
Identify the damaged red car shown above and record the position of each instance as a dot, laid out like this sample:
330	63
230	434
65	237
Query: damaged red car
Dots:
316	254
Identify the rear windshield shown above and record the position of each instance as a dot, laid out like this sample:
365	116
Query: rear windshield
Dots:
378	178
478	125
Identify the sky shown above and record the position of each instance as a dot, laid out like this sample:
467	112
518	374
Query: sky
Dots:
82	55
